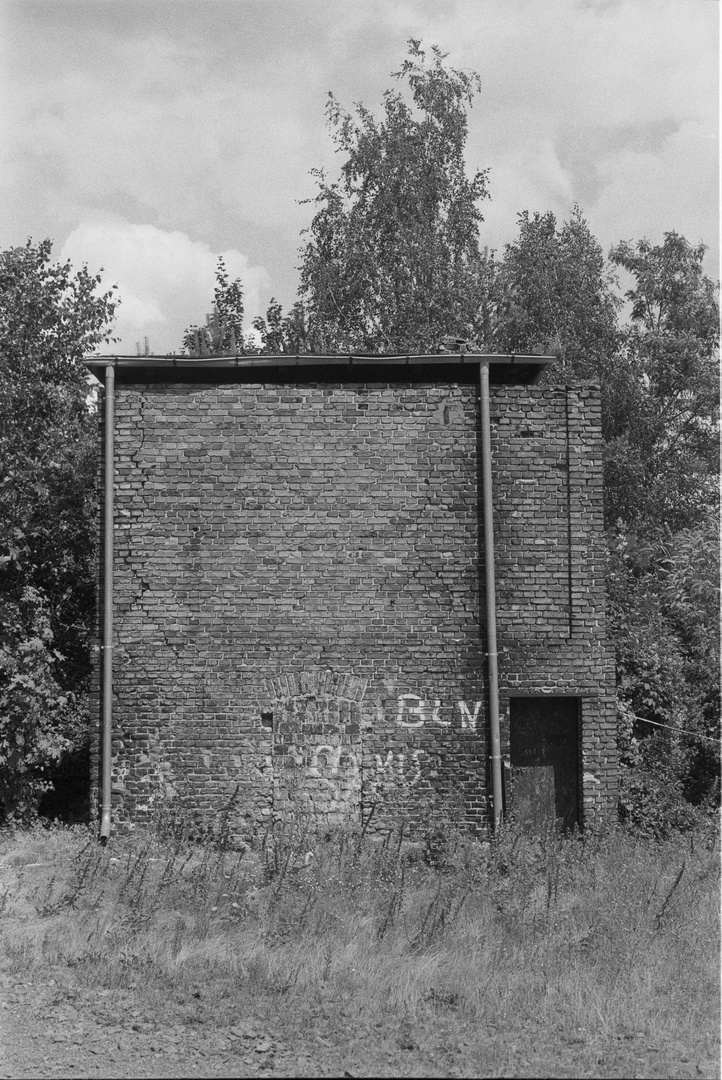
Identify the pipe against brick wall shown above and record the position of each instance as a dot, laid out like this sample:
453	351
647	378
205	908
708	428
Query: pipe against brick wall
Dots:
107	714
490	583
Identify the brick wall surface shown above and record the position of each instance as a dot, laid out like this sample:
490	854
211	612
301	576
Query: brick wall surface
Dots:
298	611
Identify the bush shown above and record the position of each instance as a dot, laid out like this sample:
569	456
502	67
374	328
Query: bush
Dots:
38	720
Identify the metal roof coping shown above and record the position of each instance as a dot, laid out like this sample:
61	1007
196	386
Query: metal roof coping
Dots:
536	363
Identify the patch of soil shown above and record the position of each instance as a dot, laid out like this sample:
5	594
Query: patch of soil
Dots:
54	1030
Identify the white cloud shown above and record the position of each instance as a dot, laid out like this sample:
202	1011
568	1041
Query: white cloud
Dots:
165	280
673	187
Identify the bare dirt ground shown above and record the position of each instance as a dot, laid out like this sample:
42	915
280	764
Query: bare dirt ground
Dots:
56	1030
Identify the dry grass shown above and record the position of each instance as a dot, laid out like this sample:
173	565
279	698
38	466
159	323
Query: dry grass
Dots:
602	936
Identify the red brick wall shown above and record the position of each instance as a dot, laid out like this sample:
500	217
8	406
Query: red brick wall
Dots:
550	548
297	593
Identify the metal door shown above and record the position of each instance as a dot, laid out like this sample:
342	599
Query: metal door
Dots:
545	761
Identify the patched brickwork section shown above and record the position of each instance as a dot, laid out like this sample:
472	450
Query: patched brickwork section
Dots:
317	747
298	607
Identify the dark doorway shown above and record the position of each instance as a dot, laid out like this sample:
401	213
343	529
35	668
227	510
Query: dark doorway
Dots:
545	761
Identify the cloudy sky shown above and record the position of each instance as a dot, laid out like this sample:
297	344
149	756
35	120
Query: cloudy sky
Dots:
149	136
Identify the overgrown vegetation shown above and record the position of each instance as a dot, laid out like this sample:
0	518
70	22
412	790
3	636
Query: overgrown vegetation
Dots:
590	939
50	318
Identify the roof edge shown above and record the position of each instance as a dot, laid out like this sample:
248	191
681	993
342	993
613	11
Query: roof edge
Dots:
535	365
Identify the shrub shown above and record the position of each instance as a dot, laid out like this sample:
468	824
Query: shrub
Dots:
38	720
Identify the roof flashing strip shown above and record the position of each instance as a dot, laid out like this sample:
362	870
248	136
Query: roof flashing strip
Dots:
534	365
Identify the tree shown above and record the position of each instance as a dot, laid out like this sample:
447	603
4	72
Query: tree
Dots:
281	333
664	619
661	494
50	318
392	259
223	332
553	292
663	402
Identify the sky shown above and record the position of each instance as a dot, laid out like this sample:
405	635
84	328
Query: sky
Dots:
147	137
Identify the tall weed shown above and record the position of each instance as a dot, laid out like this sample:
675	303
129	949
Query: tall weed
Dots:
601	931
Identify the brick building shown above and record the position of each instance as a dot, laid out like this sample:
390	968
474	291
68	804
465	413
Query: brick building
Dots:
296	601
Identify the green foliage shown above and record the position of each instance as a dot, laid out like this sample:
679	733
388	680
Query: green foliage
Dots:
39	721
223	332
50	318
554	293
392	260
662	415
664	605
661	493
285	333
656	770
690	587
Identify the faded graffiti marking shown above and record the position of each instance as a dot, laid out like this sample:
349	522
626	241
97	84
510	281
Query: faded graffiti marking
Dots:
395	770
427	711
418	710
468	719
331	760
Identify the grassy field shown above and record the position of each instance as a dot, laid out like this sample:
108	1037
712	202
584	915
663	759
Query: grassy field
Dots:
550	957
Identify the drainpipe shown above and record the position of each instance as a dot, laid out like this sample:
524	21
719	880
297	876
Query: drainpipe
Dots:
107	647
490	582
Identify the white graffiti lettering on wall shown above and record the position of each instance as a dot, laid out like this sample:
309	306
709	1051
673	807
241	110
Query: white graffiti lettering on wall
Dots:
413	711
334	763
398	768
318	721
332	760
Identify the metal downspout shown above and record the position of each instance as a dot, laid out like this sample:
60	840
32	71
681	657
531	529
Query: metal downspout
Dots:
107	715
490	582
